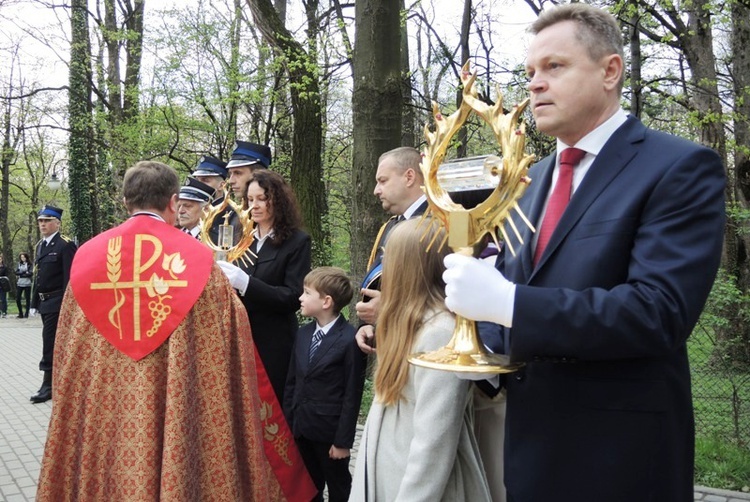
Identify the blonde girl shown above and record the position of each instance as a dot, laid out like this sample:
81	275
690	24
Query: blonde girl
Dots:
418	443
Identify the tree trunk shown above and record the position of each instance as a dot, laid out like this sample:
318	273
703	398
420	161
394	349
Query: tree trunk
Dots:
82	180
737	240
376	115
408	124
462	136
7	156
307	138
636	82
133	53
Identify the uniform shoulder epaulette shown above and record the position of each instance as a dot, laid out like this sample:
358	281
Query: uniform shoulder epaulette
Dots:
66	238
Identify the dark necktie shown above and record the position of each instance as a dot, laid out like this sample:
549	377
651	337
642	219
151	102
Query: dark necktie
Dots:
315	343
569	158
44	245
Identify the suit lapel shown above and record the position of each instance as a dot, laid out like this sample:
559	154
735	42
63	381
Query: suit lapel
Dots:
44	251
328	341
617	153
267	252
531	205
420	210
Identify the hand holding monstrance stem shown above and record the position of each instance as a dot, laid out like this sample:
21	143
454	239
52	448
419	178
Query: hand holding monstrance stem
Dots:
467	228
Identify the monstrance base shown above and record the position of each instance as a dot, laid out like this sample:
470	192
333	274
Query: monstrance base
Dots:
449	360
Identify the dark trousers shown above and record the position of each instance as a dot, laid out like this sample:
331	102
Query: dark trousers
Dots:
21	291
326	471
3	302
49	329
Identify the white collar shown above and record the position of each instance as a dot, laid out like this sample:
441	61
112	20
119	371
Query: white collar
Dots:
49	239
327	327
148	213
411	209
594	141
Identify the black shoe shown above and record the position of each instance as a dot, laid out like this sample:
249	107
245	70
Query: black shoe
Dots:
44	395
19	316
45	391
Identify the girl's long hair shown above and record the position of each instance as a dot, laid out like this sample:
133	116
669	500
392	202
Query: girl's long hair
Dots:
412	287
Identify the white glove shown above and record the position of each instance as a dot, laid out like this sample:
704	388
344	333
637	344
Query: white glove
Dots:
477	290
32	312
237	277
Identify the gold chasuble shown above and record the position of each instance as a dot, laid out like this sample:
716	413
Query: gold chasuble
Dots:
154	383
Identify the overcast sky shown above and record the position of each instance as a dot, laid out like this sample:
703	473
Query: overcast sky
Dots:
42	61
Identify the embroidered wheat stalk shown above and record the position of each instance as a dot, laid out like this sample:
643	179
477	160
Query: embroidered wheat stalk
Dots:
114	270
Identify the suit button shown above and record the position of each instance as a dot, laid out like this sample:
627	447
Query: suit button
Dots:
519	377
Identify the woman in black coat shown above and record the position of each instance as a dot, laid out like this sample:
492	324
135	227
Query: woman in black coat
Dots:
271	285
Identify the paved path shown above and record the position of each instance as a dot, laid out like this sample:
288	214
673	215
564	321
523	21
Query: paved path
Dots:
23	426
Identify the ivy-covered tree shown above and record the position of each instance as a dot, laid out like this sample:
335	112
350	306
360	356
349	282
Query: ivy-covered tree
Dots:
82	183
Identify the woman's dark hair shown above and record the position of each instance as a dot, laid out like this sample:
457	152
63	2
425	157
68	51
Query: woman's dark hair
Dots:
281	200
24	255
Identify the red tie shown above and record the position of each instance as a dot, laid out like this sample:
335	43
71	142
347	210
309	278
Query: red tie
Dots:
569	158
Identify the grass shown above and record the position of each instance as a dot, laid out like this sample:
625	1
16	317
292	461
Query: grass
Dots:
720	464
721	398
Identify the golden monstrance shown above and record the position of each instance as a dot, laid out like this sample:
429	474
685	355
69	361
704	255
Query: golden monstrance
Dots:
467	228
226	249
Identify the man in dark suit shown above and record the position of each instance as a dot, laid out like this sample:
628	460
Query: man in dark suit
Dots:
600	305
398	185
325	381
54	257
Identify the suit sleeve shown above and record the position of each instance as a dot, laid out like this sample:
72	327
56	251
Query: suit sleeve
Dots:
284	297
677	234
354	384
68	254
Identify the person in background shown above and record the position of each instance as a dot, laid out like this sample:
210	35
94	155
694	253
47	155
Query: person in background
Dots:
325	381
194	197
600	302
54	257
271	281
246	158
24	273
155	382
418	442
398	186
213	172
4	288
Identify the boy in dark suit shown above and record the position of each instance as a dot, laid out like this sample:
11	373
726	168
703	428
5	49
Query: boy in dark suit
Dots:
324	385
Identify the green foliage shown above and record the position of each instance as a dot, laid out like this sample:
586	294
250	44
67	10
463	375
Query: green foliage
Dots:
720	464
739	216
721	388
724	317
